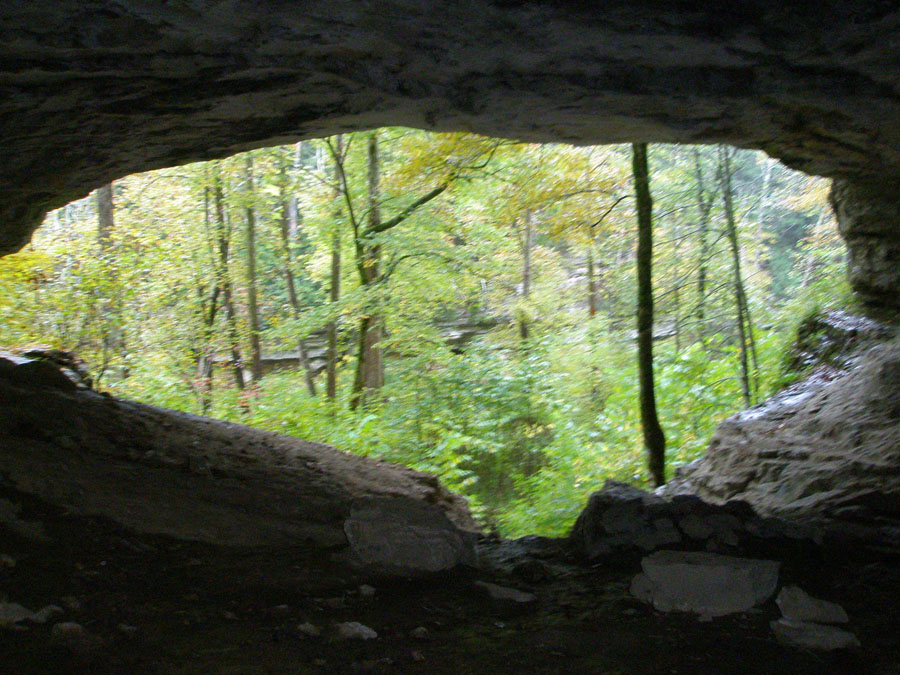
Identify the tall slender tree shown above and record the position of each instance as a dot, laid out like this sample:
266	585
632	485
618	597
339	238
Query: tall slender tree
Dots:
334	287
654	439
527	237
223	275
370	356
746	342
705	198
252	303
290	226
112	338
203	352
369	375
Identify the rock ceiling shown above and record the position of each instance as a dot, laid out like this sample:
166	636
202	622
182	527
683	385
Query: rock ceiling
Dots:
91	91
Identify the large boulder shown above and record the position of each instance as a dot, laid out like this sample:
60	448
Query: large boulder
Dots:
621	519
156	471
405	536
704	583
829	444
620	523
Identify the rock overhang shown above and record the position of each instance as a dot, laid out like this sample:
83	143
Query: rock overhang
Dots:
91	91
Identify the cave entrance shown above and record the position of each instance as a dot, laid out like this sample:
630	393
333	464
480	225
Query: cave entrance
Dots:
491	282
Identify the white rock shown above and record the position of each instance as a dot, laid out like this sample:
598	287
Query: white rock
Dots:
366	591
12	613
797	606
504	594
309	629
808	635
353	630
704	583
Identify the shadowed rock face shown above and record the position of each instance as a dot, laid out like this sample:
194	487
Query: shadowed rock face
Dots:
90	91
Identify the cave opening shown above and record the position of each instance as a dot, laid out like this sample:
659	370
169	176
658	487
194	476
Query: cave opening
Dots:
506	301
141	540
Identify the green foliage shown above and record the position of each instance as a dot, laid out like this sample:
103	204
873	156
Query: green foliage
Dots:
526	428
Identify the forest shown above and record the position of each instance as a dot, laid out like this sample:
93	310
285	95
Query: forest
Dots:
459	304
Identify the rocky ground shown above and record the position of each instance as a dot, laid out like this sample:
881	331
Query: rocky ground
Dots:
153	604
136	540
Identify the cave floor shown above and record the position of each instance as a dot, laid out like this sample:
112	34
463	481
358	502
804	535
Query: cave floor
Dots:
165	606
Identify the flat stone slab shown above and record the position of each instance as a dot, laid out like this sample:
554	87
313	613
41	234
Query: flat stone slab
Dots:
704	583
796	606
403	536
808	635
505	594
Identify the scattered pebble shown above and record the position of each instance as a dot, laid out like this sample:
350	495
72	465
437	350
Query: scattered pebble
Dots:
319	662
420	633
44	614
353	630
280	610
230	616
418	656
366	591
12	613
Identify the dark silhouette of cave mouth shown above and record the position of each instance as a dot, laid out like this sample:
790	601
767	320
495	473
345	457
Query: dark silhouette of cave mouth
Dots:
92	93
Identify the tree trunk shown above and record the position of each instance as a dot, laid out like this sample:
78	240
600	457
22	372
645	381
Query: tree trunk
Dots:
203	353
112	340
290	226
527	243
704	207
744	326
252	308
334	293
811	263
654	440
370	359
223	238
762	212
105	220
591	281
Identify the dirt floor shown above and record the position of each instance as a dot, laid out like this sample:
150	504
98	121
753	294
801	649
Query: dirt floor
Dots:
150	604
